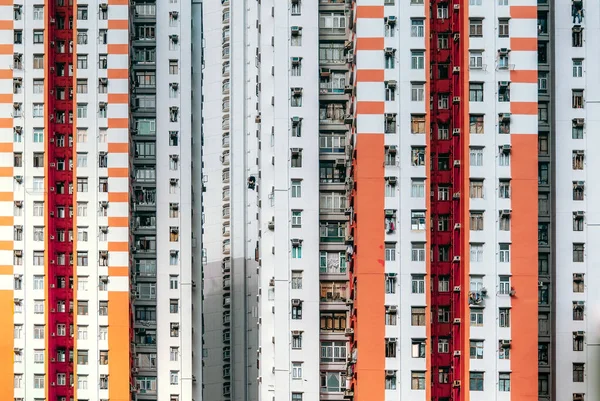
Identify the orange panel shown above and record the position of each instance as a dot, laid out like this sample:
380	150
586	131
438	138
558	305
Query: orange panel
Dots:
118	24
524	76
118	246
6	98
524	267
118	271
6	74
523	12
6	171
369	44
7	3
118	49
6	147
6	270
117	148
118	98
369	12
370	108
118	222
118	346
7	221
6	122
524	108
369	267
118	2
369	76
523	44
115	172
6	49
114	73
118	123
118	196
6	25
6	345
6	245
6	197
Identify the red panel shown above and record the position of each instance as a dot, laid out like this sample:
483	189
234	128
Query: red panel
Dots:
447	156
59	181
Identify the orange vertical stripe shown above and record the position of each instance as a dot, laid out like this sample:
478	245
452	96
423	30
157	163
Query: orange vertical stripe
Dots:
524	330
118	345
369	267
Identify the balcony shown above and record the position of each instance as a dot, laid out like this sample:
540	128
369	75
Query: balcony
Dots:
332	232
332	144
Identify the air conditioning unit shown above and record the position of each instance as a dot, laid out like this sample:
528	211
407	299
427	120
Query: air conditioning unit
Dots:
296	91
296	60
456	163
578	122
540	284
456	353
456	320
455	131
349	331
296	242
504	84
391	180
390	373
505	212
296	302
578	397
389	50
272	282
296	30
135	370
457	288
104	279
579	333
503	51
456	195
391	19
296	333
392	309
456	259
456	99
577	276
456	383
457	226
456	37
506	148
349	302
271	225
505	343
456	70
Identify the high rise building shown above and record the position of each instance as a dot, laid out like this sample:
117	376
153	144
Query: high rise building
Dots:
305	150
98	310
391	235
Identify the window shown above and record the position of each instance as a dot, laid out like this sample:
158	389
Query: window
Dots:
504	253
476	92
577	68
442	10
38	110
38	381
417	28
390	59
417	60
418	284
390	347
390	124
443	314
476	349
38	37
476	381
504	91
296	218
578	372
297	252
417	380
578	252
475	27
504	317
417	123
417	316
578	190
417	220
417	92
390	189
578	341
418	348
577	98
476	59
296	340
476	124
417	189
443	345
476	251
296	280
503	28
504	382
296	309
390	317
296	396
577	36
504	189
578	309
296	188
476	221
296	370
38	332
476	189
476	157
390	283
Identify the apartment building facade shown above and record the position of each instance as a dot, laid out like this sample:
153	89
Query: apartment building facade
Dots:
96	309
422	199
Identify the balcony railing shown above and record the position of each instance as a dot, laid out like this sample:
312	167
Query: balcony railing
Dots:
332	144
331	88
